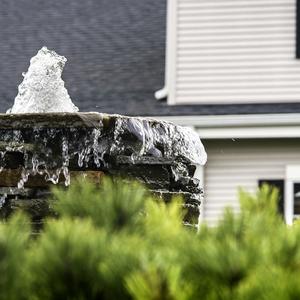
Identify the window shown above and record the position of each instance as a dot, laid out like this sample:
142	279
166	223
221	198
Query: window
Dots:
296	196
292	194
279	184
289	193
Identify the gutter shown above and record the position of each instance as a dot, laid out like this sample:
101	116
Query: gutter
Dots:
234	120
241	126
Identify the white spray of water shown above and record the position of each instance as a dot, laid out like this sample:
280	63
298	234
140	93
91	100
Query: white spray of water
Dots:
43	89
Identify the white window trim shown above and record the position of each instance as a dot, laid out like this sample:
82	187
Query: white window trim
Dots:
171	51
292	175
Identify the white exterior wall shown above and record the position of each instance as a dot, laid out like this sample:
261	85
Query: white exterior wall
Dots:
232	51
241	163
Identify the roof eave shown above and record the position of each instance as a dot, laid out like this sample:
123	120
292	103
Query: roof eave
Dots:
241	126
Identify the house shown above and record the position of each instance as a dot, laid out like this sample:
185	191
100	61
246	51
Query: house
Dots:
244	57
230	70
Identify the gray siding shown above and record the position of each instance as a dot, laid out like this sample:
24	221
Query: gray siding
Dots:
241	163
235	51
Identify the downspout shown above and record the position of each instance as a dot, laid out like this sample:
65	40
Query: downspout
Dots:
169	51
161	94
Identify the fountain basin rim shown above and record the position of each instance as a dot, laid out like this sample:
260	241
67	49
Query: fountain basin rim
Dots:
50	120
177	141
64	119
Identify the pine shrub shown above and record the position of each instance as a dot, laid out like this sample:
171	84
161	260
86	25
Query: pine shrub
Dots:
115	205
115	242
14	241
64	261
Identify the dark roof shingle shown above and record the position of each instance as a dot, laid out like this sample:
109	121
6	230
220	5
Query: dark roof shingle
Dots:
115	51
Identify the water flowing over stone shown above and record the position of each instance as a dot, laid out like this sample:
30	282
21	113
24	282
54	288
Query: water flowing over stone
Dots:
2	200
38	149
42	89
157	139
49	142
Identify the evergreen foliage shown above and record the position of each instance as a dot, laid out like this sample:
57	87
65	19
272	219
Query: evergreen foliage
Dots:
116	242
115	204
64	259
14	240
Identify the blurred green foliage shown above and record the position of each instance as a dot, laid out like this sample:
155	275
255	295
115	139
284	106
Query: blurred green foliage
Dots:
116	242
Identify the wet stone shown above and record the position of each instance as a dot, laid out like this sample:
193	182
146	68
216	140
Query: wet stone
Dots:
37	150
187	198
153	176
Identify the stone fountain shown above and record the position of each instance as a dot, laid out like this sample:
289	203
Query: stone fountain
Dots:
44	140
